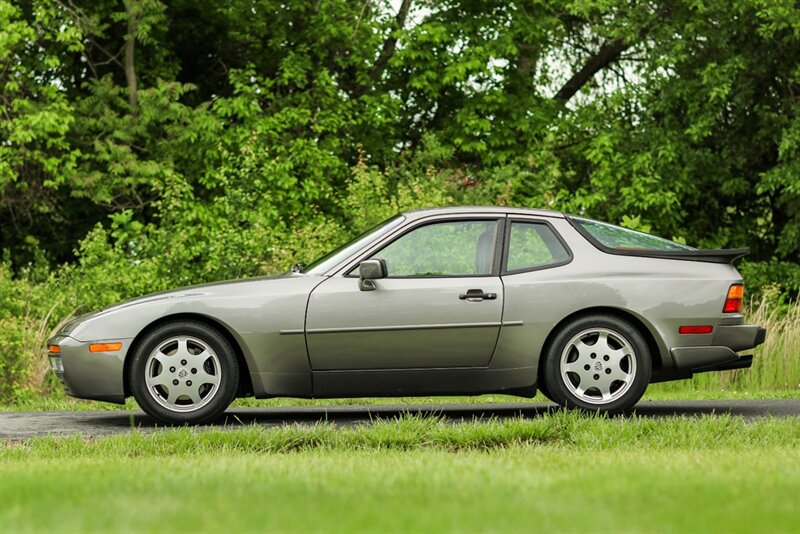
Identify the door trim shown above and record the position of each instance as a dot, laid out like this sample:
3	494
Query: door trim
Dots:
401	327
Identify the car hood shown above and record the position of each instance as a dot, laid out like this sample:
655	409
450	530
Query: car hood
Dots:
198	290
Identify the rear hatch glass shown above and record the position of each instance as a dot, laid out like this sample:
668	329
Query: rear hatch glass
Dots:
619	238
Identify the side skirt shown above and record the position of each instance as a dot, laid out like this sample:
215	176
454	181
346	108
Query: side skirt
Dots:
415	382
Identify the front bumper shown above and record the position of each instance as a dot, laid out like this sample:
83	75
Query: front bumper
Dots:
90	375
721	354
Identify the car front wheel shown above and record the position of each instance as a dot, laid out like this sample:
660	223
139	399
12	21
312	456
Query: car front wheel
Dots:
184	372
598	363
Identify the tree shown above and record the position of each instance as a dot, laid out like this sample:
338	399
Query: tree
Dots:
248	118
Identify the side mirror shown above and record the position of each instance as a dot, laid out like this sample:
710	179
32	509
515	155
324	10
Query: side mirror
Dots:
369	270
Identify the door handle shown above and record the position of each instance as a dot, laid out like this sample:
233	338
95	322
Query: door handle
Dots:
477	294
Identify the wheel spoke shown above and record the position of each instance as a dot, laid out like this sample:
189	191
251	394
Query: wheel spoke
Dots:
619	375
172	398
163	379
204	378
194	394
615	356
574	367
583	348
162	358
603	383
200	359
183	348
602	343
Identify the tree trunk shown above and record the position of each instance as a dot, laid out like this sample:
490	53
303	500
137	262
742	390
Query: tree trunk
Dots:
390	44
130	65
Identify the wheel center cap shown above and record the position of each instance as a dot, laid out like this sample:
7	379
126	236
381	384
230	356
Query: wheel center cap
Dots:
183	373
598	366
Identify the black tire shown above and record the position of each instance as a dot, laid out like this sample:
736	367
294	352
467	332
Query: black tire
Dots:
629	357
223	368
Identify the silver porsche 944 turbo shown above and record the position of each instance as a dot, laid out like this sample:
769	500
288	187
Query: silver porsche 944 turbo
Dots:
448	301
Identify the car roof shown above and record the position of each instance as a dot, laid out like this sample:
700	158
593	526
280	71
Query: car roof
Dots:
499	210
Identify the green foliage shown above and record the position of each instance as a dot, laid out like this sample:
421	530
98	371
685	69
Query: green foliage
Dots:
774	277
27	309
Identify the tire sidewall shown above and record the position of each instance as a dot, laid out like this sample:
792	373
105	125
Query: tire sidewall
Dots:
552	372
229	371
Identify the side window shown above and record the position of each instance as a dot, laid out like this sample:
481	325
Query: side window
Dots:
533	245
457	248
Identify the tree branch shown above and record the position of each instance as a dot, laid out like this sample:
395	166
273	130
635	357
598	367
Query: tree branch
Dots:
360	16
390	44
85	25
608	54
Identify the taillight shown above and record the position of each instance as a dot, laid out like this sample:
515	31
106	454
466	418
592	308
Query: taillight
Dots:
733	302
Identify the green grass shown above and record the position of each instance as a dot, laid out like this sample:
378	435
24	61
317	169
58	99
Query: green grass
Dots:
556	472
513	490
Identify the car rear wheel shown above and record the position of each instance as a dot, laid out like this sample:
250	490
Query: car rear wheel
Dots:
598	363
184	372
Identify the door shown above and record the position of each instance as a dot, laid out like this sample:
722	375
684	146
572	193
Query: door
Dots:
440	306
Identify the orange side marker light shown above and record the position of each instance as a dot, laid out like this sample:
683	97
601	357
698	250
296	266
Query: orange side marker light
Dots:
105	347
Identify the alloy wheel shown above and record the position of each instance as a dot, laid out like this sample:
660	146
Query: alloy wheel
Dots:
598	365
183	373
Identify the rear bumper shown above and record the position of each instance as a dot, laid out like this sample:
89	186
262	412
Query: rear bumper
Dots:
721	354
739	337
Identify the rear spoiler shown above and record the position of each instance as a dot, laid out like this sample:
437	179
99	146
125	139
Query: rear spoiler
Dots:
722	255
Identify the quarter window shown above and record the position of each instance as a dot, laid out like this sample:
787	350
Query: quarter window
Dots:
533	245
457	248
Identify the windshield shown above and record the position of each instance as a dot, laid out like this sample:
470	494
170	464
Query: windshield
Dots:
330	260
620	238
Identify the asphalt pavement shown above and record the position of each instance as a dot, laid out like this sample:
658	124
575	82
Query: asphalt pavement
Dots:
23	425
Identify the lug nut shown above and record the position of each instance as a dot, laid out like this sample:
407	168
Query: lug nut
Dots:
171	369
194	371
596	377
183	362
587	366
594	355
606	358
608	371
188	382
174	382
